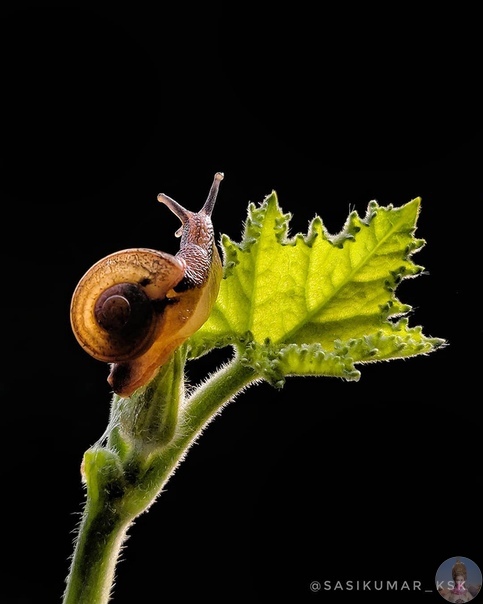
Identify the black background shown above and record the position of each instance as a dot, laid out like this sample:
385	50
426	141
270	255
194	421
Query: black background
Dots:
102	109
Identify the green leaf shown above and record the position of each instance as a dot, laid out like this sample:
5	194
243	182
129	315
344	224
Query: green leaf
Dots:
317	304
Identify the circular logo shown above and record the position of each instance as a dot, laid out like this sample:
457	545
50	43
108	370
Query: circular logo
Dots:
458	580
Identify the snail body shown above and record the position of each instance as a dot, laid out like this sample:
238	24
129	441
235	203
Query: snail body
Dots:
134	307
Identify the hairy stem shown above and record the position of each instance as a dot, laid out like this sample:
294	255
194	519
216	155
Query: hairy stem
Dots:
118	492
99	542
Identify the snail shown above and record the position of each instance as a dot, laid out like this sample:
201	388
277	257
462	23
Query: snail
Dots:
134	307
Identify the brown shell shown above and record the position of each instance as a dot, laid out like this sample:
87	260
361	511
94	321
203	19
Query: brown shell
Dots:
154	272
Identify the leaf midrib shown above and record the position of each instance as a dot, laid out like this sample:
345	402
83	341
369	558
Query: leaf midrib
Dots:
310	315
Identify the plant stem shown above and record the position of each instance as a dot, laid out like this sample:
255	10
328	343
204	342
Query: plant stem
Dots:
117	495
97	549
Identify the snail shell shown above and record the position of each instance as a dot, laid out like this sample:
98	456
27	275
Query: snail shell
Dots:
116	304
134	307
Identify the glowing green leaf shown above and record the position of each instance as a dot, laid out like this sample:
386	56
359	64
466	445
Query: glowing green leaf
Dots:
317	304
